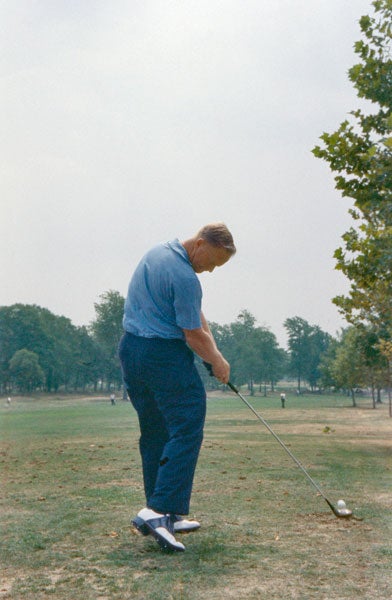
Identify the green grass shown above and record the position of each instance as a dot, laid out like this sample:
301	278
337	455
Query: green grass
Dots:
71	481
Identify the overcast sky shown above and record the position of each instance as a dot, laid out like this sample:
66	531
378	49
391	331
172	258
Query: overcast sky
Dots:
128	123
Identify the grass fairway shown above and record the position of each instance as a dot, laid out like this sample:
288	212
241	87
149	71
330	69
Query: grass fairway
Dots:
71	480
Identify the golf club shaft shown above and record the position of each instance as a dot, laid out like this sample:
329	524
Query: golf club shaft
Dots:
294	458
297	462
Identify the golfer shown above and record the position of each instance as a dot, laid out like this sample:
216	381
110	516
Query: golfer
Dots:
163	324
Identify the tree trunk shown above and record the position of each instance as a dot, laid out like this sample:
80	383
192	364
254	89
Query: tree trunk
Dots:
353	397
373	397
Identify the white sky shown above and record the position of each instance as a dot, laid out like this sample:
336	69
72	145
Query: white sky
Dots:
127	123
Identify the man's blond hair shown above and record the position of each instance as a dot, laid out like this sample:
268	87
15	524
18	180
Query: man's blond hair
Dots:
219	236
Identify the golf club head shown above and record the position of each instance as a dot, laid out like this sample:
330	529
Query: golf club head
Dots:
341	513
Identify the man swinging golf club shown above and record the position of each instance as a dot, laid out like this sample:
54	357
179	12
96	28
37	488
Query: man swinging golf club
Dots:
163	323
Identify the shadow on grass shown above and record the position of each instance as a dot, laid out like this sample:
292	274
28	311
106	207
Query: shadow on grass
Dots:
212	554
134	553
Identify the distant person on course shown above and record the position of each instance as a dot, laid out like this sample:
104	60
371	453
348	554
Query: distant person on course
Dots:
163	323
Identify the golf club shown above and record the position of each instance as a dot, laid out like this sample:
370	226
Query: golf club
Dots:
341	511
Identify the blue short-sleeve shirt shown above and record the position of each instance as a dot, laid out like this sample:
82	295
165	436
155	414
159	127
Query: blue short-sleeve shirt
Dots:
164	295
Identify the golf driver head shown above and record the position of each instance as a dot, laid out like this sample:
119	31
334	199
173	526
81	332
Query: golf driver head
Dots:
340	512
343	513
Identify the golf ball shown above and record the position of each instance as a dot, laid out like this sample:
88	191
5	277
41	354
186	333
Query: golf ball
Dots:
341	504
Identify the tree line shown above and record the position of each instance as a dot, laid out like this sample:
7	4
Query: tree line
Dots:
42	351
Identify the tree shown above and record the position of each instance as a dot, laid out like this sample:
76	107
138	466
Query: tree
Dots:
360	153
319	343
242	357
32	328
88	360
386	350
25	370
21	327
347	368
326	373
375	364
299	343
307	345
354	360
107	330
67	355
253	352
62	356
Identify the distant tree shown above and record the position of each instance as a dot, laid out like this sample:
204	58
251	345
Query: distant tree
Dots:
307	345
63	356
267	356
360	153
31	327
230	341
89	360
347	368
299	343
319	344
274	359
386	351
375	364
244	360
25	370
356	359
252	351
6	350
68	356
107	330
21	327
327	359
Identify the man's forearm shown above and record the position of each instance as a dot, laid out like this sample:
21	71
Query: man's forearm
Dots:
206	328
202	342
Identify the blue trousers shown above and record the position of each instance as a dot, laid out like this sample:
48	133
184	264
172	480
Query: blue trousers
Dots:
169	397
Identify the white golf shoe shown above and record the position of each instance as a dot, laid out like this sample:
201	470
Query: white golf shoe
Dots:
181	525
160	526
